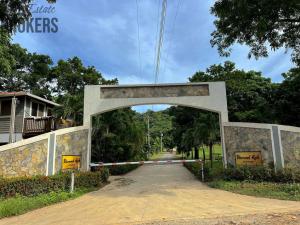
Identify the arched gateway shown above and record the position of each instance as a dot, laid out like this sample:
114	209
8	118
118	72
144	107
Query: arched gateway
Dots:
209	96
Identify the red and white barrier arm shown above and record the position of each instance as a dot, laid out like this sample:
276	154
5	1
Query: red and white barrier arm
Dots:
146	162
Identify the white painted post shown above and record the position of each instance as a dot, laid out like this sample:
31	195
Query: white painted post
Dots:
222	134
202	171
72	182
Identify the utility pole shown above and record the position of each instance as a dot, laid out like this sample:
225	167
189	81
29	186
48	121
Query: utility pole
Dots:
161	143
148	132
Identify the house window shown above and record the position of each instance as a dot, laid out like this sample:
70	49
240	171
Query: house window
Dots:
41	110
34	108
5	107
37	109
49	112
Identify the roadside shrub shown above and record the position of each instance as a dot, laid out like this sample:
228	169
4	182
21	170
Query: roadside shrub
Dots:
31	186
287	175
91	179
262	173
245	173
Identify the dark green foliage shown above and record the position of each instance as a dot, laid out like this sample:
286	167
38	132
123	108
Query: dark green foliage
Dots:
193	128
122	169
160	122
91	179
118	136
259	173
245	173
118	169
288	98
71	76
258	24
31	186
209	173
249	94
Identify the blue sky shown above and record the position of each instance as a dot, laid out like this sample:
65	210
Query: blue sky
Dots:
103	33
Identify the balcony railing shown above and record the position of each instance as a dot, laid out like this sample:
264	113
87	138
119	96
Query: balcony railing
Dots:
36	126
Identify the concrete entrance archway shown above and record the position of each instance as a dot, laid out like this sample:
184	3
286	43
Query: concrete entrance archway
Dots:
210	96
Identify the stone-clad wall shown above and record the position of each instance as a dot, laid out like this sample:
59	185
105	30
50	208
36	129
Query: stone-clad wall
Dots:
27	160
239	139
290	142
41	155
75	143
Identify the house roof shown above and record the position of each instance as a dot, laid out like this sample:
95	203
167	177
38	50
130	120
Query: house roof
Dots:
22	93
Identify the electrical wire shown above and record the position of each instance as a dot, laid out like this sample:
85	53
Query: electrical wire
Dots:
156	36
161	38
171	35
138	38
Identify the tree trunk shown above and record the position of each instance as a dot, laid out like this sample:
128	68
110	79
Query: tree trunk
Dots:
211	154
196	152
203	152
193	156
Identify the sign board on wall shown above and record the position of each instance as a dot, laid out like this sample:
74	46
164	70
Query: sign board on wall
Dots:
248	158
70	162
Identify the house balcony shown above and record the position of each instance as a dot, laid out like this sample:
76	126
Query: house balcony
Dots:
34	126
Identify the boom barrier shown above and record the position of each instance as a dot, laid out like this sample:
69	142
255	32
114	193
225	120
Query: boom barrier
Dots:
158	162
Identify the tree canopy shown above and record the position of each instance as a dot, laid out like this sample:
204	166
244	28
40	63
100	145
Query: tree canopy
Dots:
249	94
259	24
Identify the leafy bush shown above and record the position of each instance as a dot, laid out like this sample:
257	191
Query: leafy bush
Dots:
245	173
262	173
32	186
91	179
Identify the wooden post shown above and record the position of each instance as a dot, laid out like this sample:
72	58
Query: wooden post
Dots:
12	120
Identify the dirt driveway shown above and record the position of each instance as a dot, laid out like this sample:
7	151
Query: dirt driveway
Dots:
157	194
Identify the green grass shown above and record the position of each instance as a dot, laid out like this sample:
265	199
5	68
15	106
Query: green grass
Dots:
260	189
156	155
21	204
217	152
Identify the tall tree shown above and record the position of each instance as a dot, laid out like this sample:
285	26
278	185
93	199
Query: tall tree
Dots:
14	62
288	98
258	24
160	123
207	130
249	94
118	136
70	77
38	79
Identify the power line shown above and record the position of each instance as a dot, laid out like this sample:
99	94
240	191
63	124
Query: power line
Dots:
138	35
156	36
171	35
161	36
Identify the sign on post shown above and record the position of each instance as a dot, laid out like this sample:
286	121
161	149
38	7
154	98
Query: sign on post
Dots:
248	158
70	162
